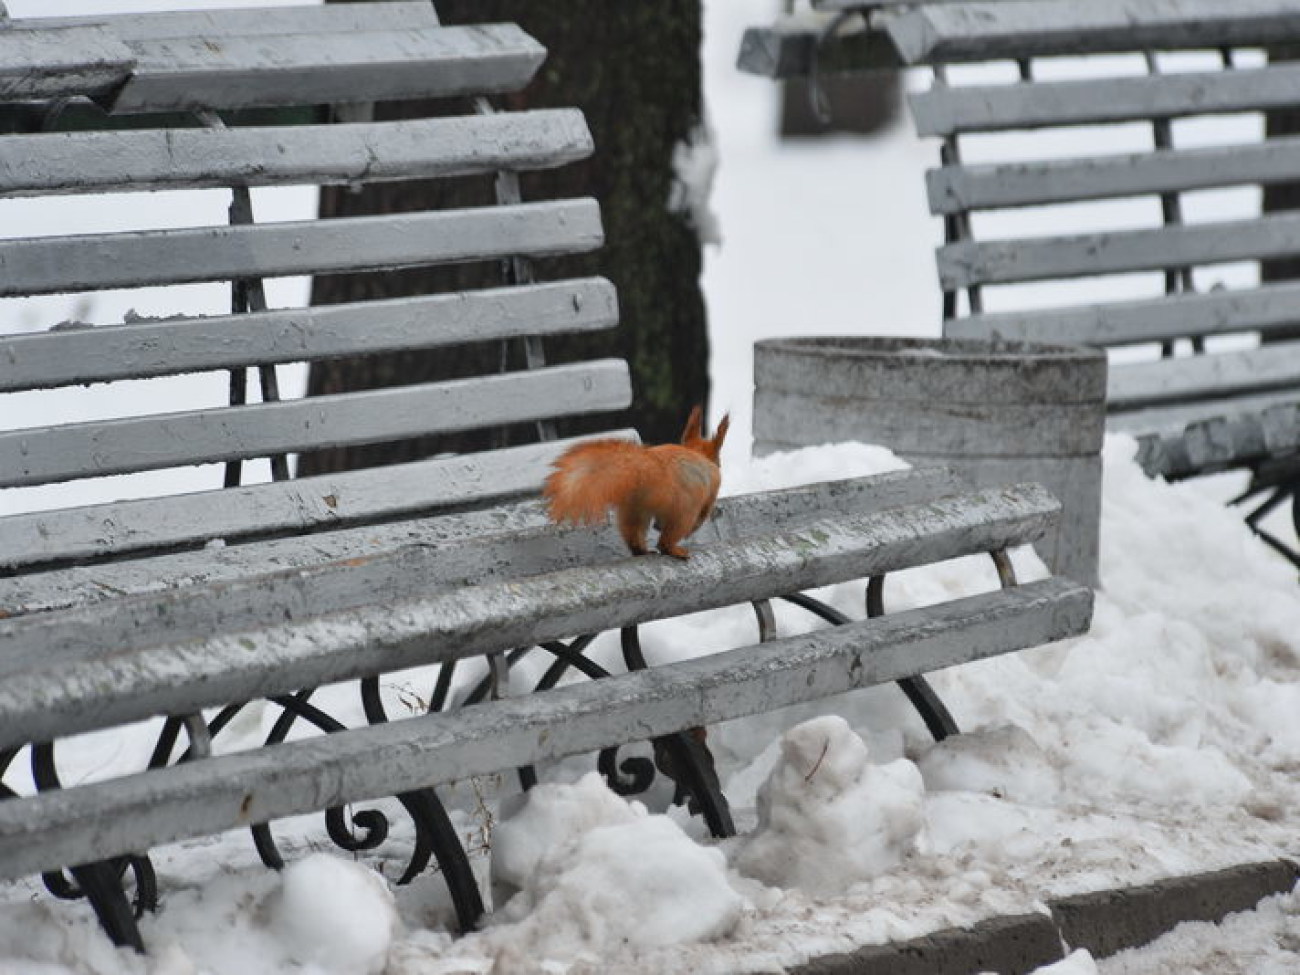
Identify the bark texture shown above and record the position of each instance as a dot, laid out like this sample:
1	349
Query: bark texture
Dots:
634	70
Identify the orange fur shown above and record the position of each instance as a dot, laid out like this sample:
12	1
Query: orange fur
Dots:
672	485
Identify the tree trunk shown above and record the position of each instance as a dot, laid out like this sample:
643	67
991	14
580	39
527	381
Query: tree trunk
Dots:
634	70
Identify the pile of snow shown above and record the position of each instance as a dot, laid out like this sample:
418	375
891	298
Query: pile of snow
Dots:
829	818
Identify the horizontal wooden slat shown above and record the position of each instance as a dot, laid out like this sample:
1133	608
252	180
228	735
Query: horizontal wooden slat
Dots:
304	504
1193	378
221	23
60	63
930	33
432	538
1271	307
58	693
195	799
944	110
155	159
953	189
141	258
436	554
242	71
1173	421
1005	261
79	450
173	346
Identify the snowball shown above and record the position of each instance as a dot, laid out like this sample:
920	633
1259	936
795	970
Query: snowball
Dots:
554	814
827	817
607	878
334	914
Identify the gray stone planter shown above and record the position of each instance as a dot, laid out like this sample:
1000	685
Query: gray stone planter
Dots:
998	411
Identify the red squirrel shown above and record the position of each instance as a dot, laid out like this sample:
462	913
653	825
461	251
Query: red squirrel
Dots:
673	485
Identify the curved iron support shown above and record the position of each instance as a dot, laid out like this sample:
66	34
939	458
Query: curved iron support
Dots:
684	757
101	882
766	620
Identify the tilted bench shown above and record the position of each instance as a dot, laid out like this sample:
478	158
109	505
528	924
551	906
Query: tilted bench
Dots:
1198	404
187	606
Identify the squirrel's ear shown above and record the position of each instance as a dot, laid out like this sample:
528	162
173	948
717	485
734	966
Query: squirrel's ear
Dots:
692	430
720	434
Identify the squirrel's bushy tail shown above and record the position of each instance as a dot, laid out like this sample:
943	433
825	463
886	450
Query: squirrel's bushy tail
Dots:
591	478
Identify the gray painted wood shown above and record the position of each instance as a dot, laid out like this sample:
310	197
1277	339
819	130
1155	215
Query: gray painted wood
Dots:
1006	261
954	189
943	111
444	555
302	504
205	797
1228	440
216	24
173	346
76	60
734	517
1173	421
93	449
1202	377
118	161
141	258
57	693
927	33
181	73
1186	315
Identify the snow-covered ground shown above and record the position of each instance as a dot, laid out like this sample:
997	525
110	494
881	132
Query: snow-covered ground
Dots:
1164	742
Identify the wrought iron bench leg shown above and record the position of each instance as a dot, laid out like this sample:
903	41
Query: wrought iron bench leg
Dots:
101	883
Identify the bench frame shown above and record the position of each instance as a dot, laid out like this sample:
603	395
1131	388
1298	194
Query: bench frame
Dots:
348	577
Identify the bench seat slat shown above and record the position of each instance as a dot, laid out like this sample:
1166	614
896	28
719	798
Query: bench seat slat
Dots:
92	449
953	189
437	554
1188	315
246	71
1198	377
1173	421
303	504
215	24
178	572
173	346
73	60
1008	261
989	108
138	812
112	161
48	692
988	30
142	258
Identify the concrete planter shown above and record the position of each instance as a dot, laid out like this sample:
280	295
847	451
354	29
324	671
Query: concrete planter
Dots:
998	411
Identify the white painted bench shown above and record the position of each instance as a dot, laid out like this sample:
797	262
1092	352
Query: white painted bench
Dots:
1197	404
1220	389
188	605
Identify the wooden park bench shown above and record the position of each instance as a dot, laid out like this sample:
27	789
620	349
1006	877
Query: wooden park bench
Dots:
184	607
1200	402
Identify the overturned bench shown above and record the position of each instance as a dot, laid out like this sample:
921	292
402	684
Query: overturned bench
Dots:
183	608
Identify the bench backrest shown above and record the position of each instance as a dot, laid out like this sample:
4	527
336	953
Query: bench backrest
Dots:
1036	127
138	72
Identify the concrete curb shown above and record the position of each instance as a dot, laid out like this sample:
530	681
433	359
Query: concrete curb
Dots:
1104	922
